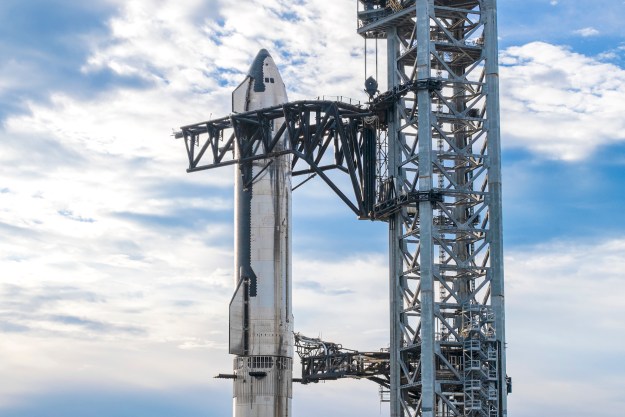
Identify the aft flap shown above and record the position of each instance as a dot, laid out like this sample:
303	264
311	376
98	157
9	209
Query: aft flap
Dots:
237	319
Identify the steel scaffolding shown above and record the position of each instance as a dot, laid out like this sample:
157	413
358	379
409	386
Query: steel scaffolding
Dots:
446	143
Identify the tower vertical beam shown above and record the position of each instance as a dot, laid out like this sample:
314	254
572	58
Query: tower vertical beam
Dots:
424	138
395	263
495	189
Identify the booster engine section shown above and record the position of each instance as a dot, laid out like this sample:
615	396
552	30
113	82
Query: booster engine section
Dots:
261	320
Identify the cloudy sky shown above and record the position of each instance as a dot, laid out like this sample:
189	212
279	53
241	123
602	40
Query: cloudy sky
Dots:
116	265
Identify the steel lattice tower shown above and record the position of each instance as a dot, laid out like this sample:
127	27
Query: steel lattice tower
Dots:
447	349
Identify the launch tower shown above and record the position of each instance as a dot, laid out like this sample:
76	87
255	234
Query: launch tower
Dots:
443	173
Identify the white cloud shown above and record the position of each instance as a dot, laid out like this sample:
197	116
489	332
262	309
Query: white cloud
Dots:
613	54
343	288
587	32
559	104
164	44
564	327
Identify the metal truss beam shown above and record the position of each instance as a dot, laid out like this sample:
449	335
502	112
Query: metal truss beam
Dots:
334	141
323	361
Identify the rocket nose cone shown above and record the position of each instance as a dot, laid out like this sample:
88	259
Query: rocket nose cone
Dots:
257	66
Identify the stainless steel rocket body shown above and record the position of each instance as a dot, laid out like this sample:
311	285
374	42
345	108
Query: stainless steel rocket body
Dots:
261	320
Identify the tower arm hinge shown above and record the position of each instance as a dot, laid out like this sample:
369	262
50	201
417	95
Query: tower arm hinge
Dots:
387	208
386	100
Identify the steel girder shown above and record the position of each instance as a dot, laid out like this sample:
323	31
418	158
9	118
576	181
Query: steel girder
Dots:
334	141
446	262
323	361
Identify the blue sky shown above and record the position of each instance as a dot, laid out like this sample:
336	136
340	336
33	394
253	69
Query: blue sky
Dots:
116	265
